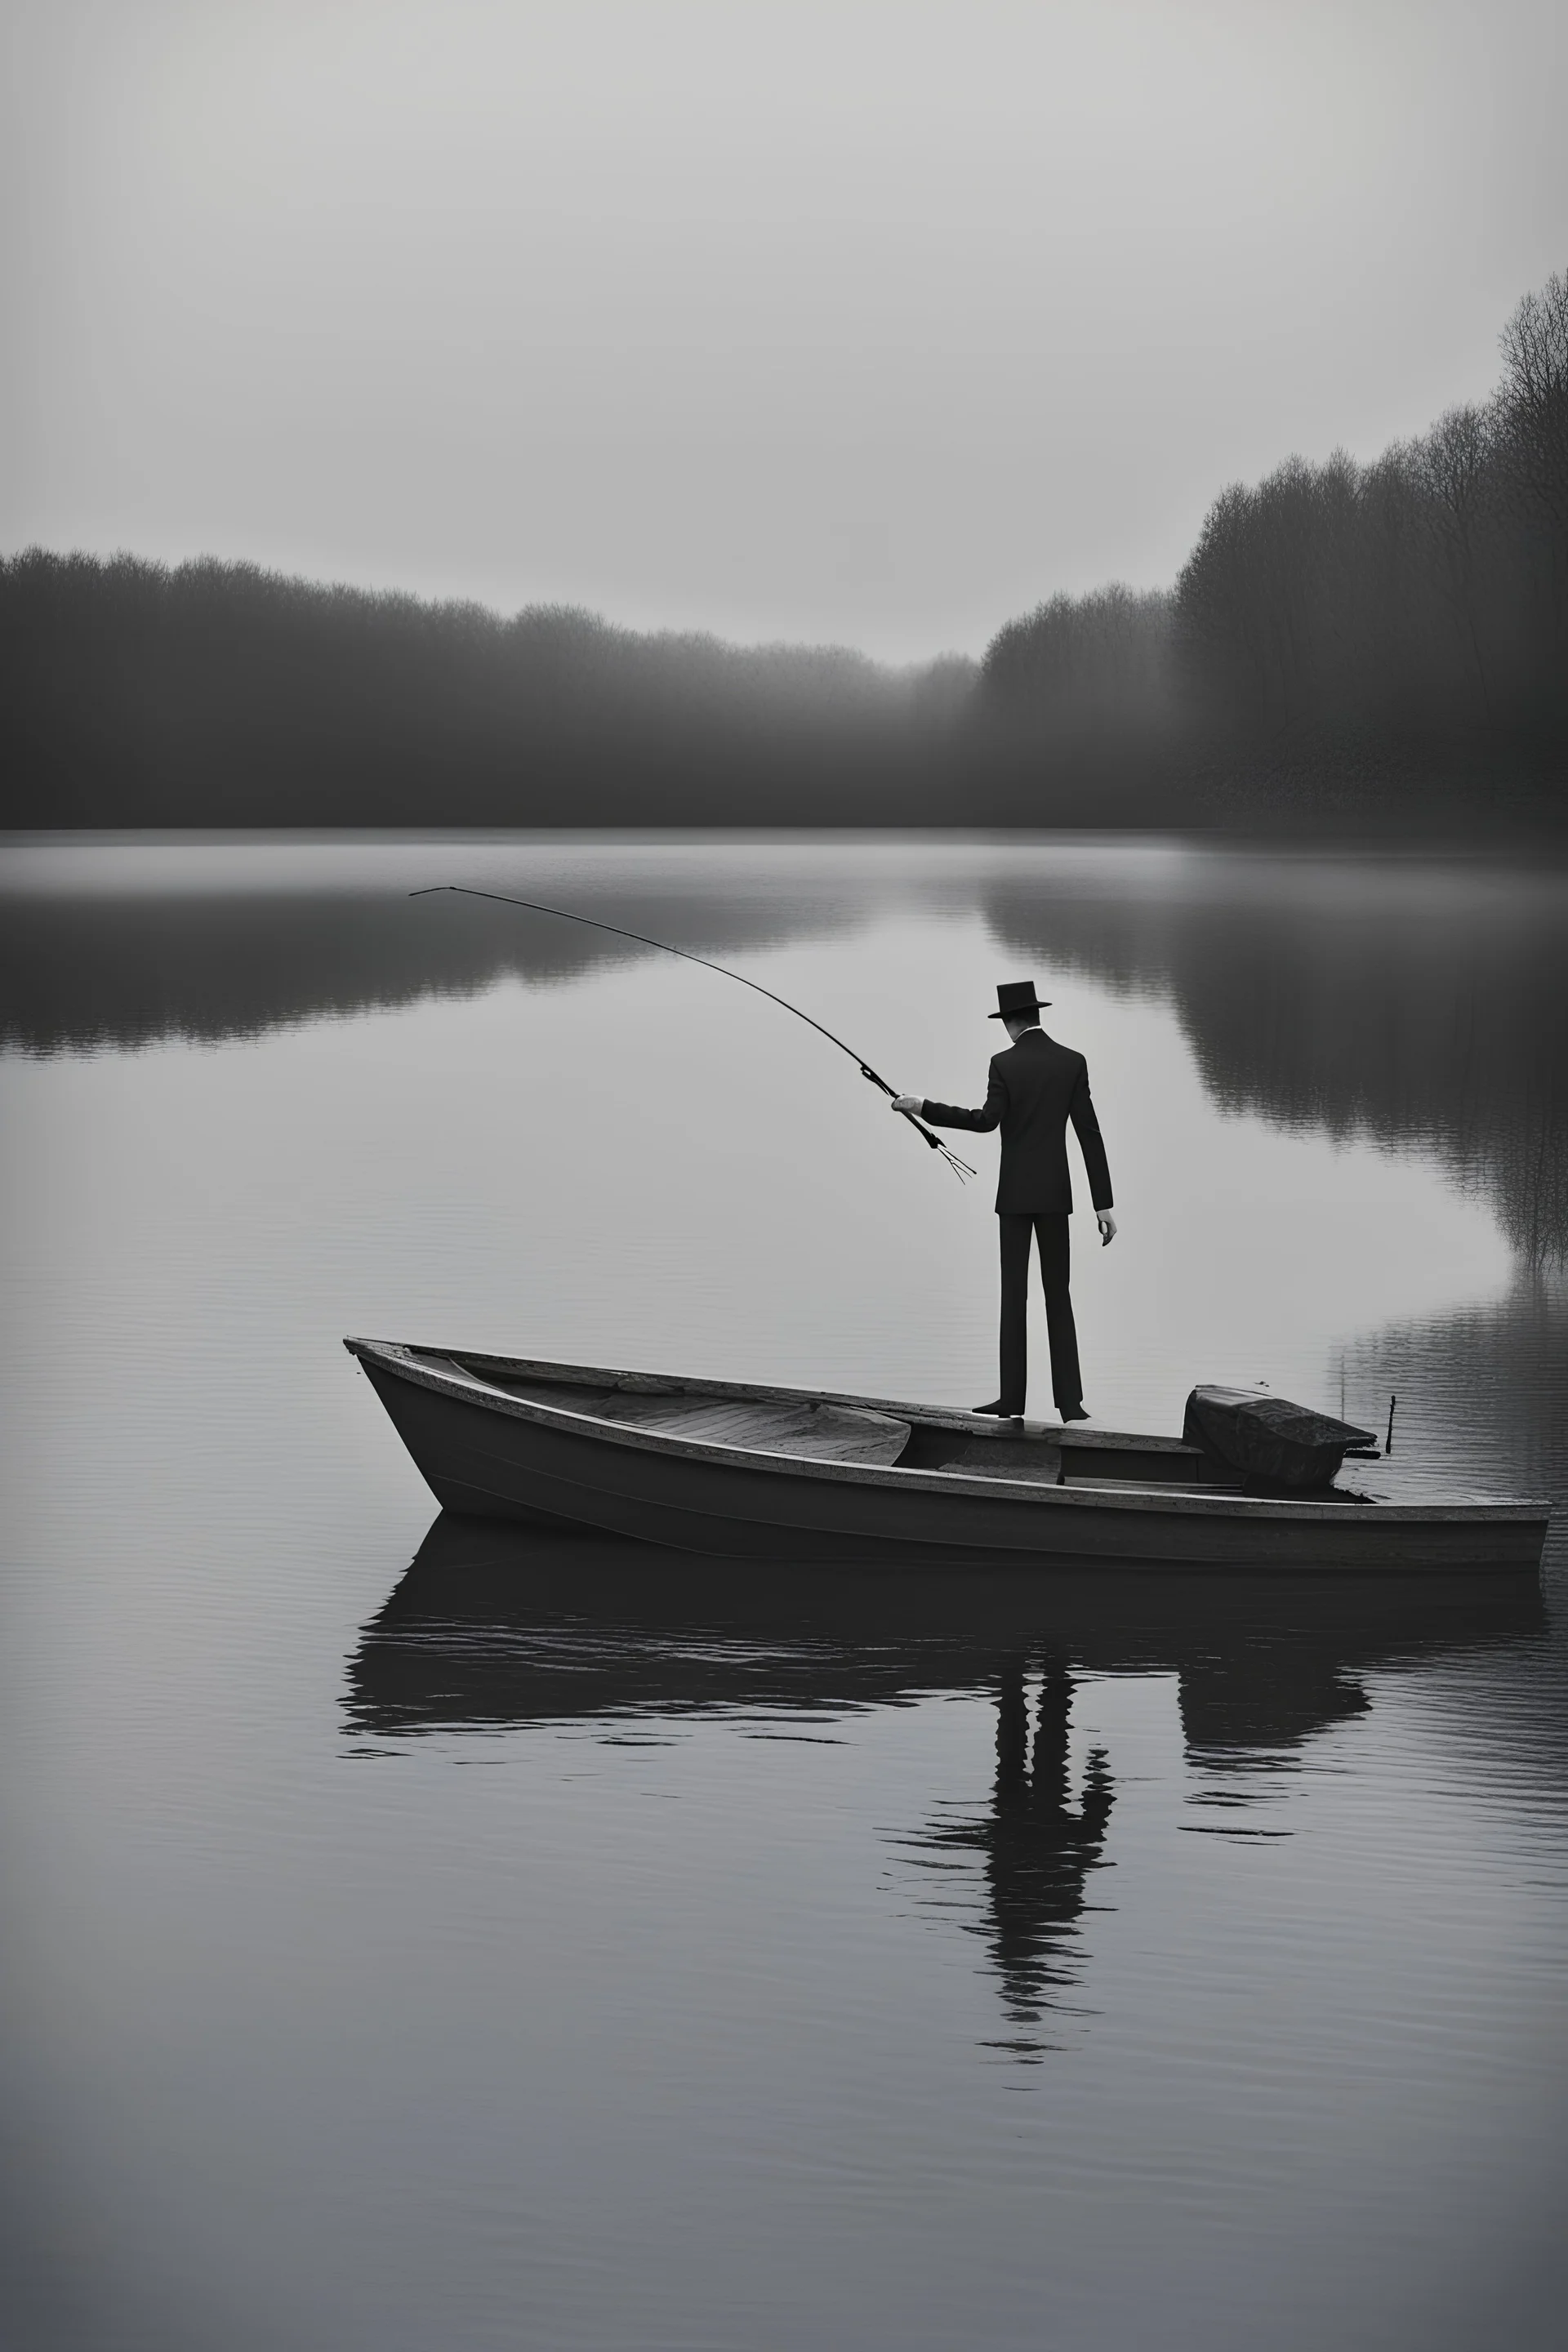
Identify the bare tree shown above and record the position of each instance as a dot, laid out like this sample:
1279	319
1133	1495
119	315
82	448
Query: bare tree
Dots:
1534	402
1456	466
1535	394
1099	661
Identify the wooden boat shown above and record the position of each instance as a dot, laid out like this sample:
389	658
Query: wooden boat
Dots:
749	1473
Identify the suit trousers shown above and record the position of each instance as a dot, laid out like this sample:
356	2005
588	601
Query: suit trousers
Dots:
1055	1265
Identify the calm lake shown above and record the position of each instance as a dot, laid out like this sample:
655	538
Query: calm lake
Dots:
424	1940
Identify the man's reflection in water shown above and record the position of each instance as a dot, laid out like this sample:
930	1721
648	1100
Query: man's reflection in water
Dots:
1038	1848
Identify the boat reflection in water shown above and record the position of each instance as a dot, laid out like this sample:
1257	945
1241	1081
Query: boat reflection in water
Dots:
495	1627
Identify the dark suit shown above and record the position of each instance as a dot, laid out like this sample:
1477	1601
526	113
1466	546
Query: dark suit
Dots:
1036	1088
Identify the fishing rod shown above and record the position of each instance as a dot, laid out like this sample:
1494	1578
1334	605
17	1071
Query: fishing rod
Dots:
961	1168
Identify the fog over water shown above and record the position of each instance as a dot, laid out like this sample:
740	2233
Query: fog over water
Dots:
809	1959
1421	1002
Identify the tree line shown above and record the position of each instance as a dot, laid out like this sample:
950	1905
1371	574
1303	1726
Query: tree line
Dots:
219	694
1400	625
1375	640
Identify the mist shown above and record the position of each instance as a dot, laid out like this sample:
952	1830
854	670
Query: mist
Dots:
1360	647
863	324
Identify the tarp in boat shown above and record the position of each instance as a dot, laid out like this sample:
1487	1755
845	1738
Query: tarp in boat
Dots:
1267	1440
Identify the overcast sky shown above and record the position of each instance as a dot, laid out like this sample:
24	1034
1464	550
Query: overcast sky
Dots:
874	320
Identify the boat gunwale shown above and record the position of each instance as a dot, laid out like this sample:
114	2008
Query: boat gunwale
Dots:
410	1363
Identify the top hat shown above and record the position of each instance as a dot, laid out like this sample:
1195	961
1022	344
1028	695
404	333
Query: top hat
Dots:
1016	996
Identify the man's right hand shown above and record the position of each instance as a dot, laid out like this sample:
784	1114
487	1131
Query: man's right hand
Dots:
913	1104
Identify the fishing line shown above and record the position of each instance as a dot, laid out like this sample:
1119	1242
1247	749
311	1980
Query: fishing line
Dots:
961	1168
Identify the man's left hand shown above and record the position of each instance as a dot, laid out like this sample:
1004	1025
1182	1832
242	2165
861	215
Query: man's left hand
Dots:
913	1104
1107	1224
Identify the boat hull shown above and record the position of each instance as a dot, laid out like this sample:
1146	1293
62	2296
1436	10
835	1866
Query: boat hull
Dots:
492	1456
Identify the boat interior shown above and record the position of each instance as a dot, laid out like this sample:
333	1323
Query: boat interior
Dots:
815	1428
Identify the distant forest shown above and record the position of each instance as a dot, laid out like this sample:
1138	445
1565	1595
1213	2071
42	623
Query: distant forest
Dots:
1381	646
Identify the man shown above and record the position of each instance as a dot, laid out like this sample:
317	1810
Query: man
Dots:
1036	1088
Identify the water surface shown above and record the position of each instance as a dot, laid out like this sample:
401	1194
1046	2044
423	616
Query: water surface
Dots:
814	1961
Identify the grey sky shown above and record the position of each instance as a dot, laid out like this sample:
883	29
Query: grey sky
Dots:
814	319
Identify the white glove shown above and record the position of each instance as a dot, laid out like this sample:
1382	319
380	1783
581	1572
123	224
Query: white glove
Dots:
915	1103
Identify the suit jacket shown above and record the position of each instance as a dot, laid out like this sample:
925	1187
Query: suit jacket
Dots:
1036	1086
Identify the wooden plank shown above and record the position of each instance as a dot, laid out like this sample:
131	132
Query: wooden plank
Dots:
813	1432
504	1370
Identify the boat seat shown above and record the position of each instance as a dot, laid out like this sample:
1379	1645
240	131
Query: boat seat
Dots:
811	1432
816	1432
